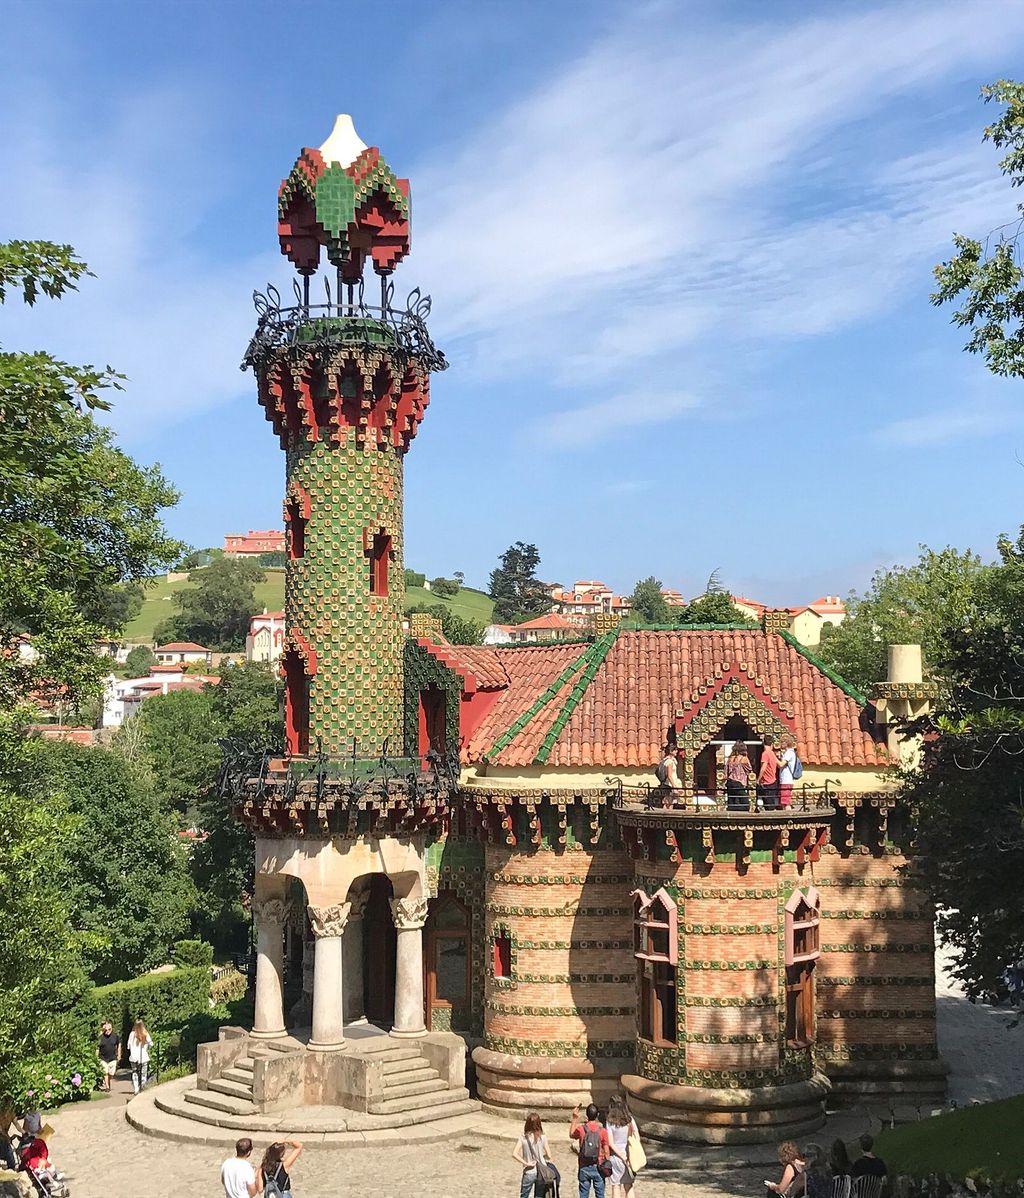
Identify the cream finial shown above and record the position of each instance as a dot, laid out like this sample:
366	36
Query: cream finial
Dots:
344	144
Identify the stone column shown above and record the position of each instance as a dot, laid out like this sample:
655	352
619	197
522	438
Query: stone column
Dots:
271	916
328	979
352	953
409	915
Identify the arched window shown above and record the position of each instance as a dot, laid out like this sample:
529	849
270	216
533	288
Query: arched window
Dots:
655	946
803	948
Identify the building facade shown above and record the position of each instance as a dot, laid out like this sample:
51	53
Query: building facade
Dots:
466	846
252	544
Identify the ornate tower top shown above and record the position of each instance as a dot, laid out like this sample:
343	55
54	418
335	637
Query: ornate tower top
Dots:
345	198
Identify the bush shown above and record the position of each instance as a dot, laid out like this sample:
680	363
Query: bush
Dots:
189	953
163	1000
413	578
444	588
230	986
42	1083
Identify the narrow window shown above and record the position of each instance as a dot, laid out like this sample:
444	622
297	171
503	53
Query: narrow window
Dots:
502	956
803	913
657	1002
655	946
380	553
296	530
296	704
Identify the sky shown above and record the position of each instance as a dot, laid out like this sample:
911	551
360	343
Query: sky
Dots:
680	257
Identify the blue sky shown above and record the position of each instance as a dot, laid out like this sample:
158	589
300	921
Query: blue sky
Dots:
680	257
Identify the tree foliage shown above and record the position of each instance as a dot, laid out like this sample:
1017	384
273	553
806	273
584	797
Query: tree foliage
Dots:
714	607
215	611
648	604
456	630
179	738
987	280
916	604
129	890
139	661
967	798
517	593
444	588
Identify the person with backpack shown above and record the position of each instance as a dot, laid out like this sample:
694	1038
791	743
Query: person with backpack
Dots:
667	773
593	1151
790	768
276	1166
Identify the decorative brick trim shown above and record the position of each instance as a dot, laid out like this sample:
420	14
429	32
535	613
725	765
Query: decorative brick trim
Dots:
560	1048
564	880
866	980
739	1038
925	916
570	944
560	1012
730	929
696	1000
747	1078
569	910
885	1013
729	966
878	948
825	1051
730	893
571	978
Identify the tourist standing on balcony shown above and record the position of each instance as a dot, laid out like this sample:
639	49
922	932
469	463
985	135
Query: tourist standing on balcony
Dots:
787	768
737	778
768	776
667	774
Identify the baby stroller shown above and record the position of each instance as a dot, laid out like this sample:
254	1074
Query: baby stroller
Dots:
46	1180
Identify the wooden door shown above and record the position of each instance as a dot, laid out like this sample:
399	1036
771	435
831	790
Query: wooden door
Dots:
447	965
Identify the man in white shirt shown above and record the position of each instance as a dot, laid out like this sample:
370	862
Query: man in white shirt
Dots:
237	1176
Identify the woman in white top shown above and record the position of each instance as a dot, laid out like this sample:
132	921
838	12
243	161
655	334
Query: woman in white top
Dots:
530	1150
139	1044
787	763
621	1125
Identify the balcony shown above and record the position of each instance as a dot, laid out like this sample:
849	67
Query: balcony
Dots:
344	320
653	806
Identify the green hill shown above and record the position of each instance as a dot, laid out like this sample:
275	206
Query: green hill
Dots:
979	1141
158	605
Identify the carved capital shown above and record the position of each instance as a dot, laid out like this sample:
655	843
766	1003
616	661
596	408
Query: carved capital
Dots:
329	921
357	901
409	913
272	913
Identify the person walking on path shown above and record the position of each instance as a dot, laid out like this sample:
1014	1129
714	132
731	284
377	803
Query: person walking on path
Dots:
109	1053
276	1167
531	1151
594	1151
768	776
237	1175
139	1044
621	1125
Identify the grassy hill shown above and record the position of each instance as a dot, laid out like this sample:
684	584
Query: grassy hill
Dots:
982	1141
158	605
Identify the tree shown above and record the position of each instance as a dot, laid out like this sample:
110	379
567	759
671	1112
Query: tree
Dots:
444	588
965	798
914	604
989	282
648	603
515	589
714	607
413	578
116	607
456	630
216	609
139	662
130	892
459	577
179	732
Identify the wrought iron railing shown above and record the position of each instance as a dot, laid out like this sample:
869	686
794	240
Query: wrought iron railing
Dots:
342	319
693	800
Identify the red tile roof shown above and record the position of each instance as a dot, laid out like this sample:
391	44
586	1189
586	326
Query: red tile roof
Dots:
479	662
551	621
181	647
621	717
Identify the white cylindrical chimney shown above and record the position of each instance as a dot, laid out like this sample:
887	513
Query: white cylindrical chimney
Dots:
904	663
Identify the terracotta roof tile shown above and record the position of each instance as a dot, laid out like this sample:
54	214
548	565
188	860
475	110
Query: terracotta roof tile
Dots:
624	714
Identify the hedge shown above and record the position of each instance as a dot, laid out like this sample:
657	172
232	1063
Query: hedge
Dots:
192	952
163	1000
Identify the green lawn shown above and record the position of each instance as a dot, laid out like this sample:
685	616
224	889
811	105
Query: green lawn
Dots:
158	605
981	1140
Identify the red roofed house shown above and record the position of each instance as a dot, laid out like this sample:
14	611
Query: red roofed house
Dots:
805	623
182	653
586	599
265	641
551	627
252	544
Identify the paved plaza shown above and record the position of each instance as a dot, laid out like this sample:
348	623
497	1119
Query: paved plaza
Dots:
105	1158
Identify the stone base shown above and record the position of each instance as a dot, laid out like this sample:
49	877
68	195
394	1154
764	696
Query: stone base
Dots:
509	1085
696	1115
910	1083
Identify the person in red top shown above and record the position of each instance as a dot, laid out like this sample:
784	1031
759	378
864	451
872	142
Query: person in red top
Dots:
768	776
594	1151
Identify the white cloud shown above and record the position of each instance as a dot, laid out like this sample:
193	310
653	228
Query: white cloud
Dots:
577	428
947	426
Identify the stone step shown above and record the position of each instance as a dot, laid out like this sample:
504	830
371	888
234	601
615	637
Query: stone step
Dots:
247	1064
410	1077
224	1085
219	1102
403	1064
243	1076
431	1085
433	1101
384	1046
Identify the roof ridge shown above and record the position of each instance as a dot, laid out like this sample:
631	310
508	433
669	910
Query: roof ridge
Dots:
846	687
749	626
542	700
601	648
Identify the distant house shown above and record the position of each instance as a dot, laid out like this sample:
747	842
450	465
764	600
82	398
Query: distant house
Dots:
588	598
498	634
251	544
123	697
182	653
265	641
805	623
673	598
551	627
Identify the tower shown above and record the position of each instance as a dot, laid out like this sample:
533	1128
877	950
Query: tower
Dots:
345	383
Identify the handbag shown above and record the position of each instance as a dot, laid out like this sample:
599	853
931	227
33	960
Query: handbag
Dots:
545	1176
628	1177
635	1150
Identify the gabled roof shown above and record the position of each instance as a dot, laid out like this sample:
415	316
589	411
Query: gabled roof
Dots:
477	665
611	702
181	647
545	623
